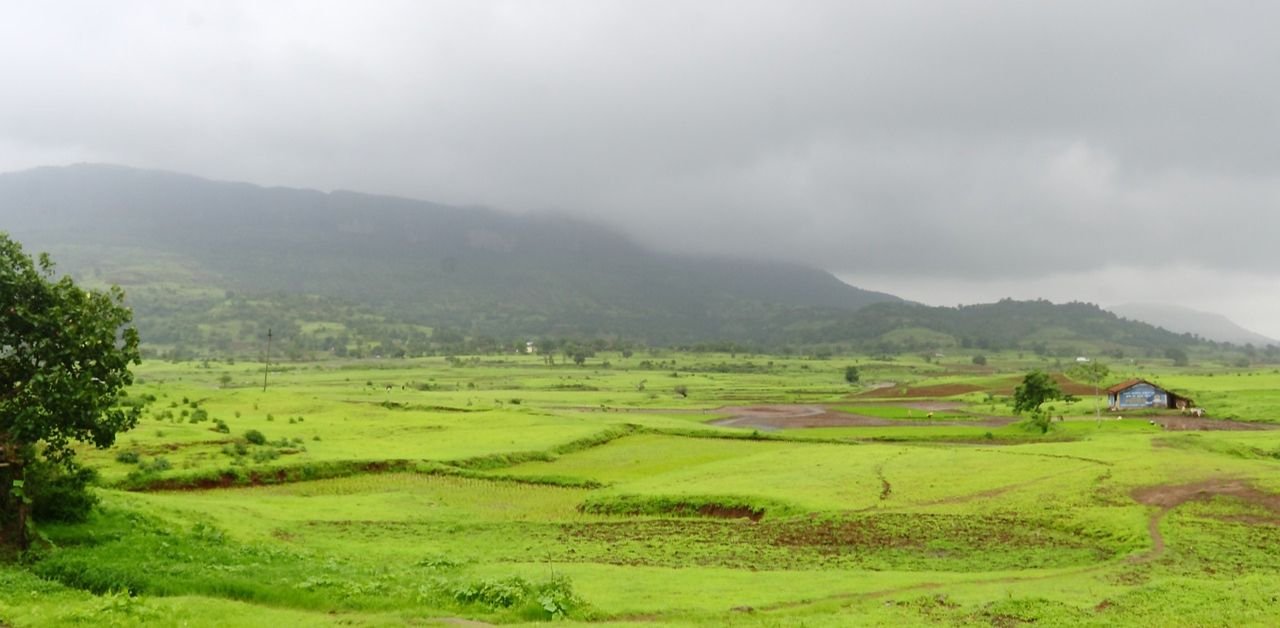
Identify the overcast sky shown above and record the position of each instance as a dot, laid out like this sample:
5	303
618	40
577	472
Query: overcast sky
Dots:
946	151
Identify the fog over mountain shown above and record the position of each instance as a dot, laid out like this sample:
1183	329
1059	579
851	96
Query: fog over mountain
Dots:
1186	320
480	270
946	152
208	265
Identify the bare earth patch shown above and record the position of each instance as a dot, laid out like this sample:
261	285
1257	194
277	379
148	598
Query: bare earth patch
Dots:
1169	496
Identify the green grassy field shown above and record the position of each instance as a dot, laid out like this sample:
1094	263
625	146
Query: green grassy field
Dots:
503	490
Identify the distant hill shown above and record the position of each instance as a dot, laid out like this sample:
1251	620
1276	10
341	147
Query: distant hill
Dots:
476	270
209	266
1065	330
1179	319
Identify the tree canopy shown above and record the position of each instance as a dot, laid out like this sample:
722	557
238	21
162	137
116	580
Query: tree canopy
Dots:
851	374
65	354
1036	388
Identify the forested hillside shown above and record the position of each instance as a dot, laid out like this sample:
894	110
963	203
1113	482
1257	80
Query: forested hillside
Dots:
475	269
210	266
1038	326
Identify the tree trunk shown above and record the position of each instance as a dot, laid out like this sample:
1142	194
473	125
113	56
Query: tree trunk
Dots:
15	508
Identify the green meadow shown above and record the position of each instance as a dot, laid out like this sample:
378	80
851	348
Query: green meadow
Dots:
500	489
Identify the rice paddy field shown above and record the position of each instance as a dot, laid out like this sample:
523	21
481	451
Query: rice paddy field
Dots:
666	489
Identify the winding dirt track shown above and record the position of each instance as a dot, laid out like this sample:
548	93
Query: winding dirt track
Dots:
1168	497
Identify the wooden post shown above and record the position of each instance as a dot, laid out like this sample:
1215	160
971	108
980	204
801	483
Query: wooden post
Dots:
266	363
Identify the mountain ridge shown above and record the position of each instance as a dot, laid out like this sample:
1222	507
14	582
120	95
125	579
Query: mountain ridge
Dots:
213	265
474	268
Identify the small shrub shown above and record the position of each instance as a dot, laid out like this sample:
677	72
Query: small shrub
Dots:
157	464
221	426
265	455
60	494
503	593
127	457
255	437
534	601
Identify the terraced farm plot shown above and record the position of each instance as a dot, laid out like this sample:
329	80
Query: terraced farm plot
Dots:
396	493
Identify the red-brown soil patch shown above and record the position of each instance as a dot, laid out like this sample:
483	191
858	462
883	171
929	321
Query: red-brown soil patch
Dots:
1067	385
1167	497
1171	496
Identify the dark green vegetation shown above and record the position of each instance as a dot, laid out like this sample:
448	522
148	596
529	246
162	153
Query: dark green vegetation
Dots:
65	355
474	270
209	267
392	492
1029	397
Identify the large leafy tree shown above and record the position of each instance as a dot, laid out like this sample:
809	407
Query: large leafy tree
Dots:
1036	388
65	354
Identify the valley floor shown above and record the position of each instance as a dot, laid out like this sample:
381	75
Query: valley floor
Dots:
506	491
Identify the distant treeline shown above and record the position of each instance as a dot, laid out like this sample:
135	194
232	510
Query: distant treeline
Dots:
182	326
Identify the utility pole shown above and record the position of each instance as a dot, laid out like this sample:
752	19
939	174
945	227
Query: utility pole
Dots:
1097	409
266	364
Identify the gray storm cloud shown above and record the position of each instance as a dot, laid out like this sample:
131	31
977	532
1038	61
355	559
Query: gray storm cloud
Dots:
962	139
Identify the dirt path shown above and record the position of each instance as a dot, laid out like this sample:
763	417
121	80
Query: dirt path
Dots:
1170	496
886	489
1157	539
